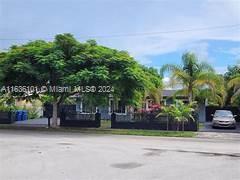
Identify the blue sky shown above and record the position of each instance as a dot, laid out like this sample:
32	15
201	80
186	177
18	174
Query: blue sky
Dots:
42	19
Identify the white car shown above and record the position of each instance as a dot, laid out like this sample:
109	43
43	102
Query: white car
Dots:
223	118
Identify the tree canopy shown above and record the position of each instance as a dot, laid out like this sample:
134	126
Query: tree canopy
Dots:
68	62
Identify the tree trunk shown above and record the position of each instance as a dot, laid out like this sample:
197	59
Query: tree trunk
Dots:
55	115
190	93
190	96
177	125
167	123
183	126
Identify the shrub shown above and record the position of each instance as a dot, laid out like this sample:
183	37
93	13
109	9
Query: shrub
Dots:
32	113
180	112
5	108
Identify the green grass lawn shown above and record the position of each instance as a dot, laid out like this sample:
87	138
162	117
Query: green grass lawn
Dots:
105	124
106	129
201	125
140	132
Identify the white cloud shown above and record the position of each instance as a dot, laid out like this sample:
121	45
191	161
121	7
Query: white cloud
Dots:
206	14
123	17
201	50
221	69
166	79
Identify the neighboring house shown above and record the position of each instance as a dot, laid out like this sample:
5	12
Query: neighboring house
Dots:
168	97
106	110
150	105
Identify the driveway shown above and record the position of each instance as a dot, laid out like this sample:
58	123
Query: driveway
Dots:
36	155
208	128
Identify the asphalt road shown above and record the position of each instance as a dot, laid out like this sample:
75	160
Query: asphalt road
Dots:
33	155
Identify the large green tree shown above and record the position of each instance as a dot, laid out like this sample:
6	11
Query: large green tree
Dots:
193	75
67	62
153	80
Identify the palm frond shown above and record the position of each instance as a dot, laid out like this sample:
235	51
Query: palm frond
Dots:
207	78
189	59
182	76
235	95
169	68
204	66
234	82
173	83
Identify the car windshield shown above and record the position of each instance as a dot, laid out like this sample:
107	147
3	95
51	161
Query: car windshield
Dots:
223	113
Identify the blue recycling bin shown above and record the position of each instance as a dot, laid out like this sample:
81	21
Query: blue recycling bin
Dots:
19	115
24	115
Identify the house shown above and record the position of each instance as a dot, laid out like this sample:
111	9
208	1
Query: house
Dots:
168	96
116	106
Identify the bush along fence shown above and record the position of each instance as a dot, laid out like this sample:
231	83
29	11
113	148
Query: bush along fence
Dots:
151	121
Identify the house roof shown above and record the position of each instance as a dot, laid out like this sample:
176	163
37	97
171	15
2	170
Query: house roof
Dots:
170	93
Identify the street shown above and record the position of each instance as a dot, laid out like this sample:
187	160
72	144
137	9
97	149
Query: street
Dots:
40	155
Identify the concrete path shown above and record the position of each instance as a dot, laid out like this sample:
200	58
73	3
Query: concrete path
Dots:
40	122
36	155
219	135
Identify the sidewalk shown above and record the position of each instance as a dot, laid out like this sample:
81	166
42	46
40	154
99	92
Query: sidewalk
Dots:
220	136
40	122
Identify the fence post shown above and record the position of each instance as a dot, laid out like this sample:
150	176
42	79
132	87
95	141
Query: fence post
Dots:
113	120
62	116
167	122
98	119
49	125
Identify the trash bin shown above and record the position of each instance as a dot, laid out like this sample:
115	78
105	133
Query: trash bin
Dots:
19	115
24	115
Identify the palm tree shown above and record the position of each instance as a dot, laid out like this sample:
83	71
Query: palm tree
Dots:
216	96
180	112
192	75
235	84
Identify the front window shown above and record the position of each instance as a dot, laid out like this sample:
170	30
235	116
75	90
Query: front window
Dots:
223	114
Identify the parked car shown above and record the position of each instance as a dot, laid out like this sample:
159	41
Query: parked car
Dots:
223	118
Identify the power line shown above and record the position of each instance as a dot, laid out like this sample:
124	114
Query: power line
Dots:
170	32
137	34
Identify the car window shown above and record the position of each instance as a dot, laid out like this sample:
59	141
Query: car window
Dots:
223	113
